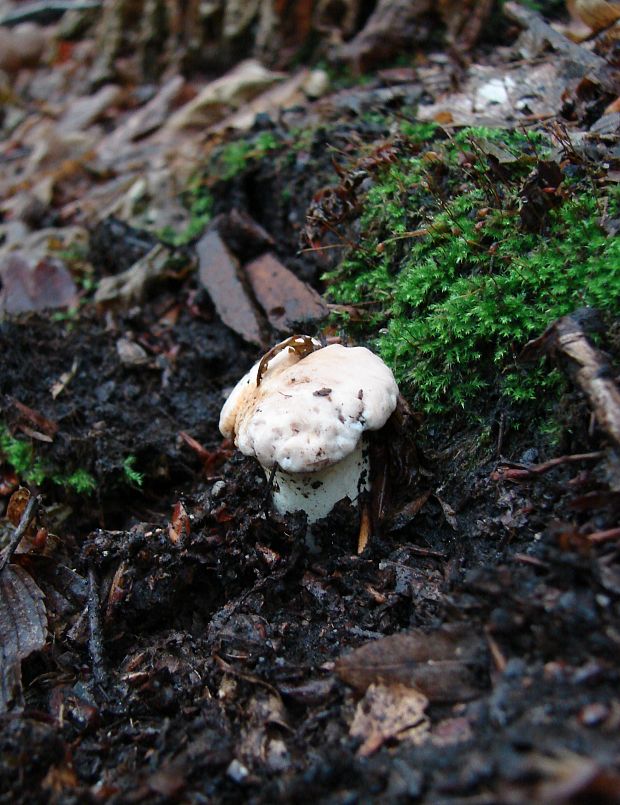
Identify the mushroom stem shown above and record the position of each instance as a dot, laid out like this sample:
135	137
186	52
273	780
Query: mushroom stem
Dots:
316	493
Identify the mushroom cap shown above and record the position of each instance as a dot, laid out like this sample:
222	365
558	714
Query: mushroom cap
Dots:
309	413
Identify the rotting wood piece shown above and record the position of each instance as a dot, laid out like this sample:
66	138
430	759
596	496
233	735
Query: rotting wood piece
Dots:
542	32
587	365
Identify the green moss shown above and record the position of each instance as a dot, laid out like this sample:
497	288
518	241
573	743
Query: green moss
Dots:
132	476
199	201
80	480
20	455
457	284
226	163
233	158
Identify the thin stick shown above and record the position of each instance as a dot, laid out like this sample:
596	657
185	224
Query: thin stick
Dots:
95	637
598	537
365	531
506	473
269	492
24	522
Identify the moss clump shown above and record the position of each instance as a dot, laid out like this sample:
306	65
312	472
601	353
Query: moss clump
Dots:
132	476
226	162
233	158
199	202
20	455
469	247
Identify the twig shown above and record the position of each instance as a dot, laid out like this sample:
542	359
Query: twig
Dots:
530	560
20	530
95	637
519	473
598	537
499	660
587	365
255	680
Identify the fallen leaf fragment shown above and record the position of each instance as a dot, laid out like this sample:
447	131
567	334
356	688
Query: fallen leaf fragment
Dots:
17	505
387	712
148	118
180	524
23	628
286	300
28	285
449	664
21	512
219	273
232	91
83	112
58	386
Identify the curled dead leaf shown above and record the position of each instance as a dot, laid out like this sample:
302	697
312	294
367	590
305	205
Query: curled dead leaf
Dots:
387	712
23	628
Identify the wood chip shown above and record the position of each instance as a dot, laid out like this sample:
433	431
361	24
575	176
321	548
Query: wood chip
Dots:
285	299
219	273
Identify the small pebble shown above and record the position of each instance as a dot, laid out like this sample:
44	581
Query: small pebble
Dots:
593	714
237	771
130	353
218	489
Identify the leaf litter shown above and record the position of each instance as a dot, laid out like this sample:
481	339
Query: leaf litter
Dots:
199	650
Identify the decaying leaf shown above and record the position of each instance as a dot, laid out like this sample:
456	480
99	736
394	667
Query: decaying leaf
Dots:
34	285
179	525
23	628
447	665
389	711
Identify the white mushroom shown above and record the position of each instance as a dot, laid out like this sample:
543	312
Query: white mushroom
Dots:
302	411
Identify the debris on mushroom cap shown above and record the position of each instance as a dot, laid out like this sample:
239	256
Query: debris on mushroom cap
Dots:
309	412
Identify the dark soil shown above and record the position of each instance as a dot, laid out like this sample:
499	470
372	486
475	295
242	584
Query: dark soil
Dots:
194	645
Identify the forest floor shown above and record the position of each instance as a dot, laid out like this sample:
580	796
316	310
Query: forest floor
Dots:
166	635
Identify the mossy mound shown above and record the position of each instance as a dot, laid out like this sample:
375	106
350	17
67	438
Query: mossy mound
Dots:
470	245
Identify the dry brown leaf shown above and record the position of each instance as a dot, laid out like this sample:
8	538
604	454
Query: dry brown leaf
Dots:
447	665
389	711
23	628
597	14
